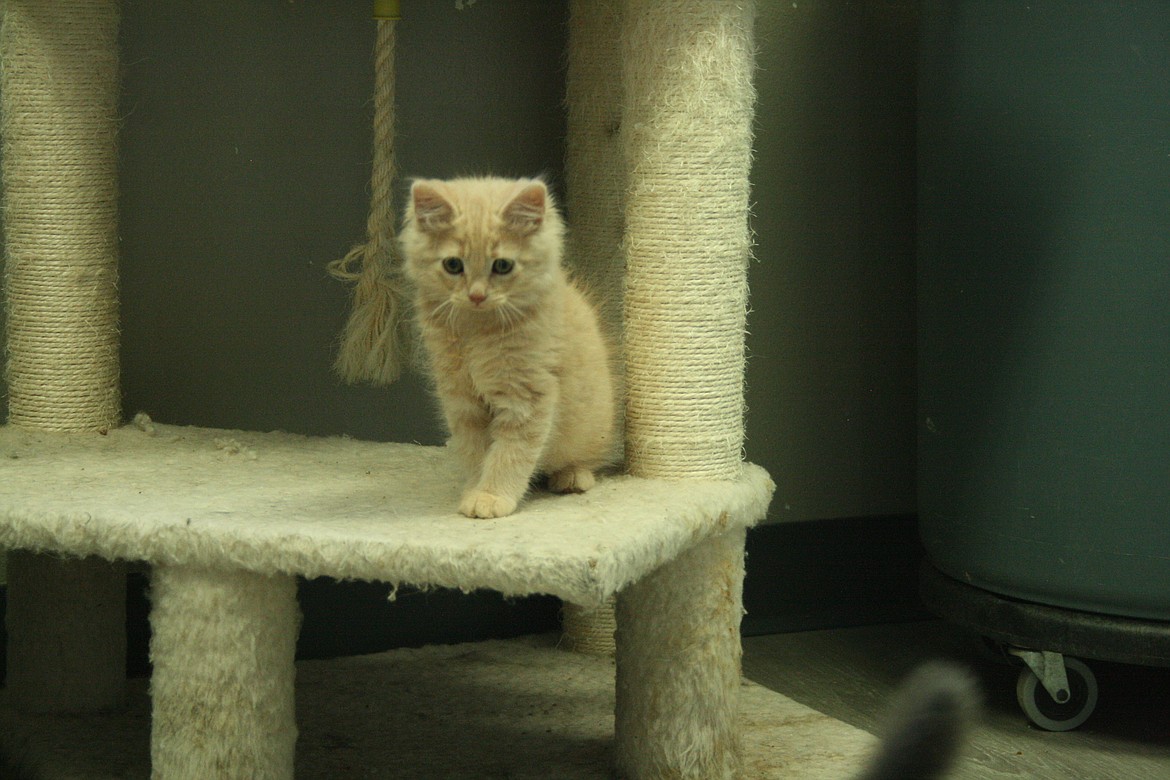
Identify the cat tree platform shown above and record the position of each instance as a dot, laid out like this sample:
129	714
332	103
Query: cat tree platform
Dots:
275	503
660	110
228	518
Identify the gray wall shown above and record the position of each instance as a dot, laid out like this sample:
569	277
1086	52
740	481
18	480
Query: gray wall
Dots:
831	380
245	155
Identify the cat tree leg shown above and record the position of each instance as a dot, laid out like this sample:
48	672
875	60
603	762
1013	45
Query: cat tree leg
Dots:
678	666
59	98
686	123
223	645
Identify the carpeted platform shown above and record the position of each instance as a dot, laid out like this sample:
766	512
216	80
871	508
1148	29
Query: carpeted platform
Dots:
502	709
277	503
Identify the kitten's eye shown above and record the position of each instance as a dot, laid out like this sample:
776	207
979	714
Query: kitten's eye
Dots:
453	265
502	265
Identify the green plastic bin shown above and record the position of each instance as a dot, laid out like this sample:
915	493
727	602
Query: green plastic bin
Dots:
1044	300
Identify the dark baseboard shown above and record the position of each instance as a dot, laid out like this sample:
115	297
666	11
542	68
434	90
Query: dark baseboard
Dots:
800	577
832	574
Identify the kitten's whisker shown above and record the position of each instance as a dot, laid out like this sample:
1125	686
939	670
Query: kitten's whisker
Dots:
505	316
438	311
444	314
511	315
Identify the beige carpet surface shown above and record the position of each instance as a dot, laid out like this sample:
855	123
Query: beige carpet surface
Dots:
503	709
279	503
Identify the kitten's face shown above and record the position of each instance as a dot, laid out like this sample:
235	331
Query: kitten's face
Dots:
481	246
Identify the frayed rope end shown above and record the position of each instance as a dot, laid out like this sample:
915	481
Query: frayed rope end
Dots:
373	344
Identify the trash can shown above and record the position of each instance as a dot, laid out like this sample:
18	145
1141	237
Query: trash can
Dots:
1044	320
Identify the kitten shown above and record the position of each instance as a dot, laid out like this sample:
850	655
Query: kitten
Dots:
519	363
928	724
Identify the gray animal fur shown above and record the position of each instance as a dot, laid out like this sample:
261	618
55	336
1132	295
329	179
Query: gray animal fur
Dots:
928	724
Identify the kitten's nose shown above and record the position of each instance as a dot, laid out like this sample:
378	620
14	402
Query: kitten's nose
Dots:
477	297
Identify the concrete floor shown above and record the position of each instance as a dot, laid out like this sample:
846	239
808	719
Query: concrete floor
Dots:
850	673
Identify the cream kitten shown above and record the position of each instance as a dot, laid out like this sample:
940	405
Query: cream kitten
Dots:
519	363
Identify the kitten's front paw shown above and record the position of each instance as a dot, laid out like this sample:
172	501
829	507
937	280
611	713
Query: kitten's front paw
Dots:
573	479
477	503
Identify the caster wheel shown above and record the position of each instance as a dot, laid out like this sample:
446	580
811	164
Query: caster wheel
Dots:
1051	715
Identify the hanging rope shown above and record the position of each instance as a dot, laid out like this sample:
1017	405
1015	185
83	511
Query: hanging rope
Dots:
374	342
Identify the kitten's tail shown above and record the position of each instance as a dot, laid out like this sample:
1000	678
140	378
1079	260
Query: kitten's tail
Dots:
928	724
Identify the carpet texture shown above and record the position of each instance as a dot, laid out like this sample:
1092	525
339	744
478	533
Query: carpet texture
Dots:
516	709
277	503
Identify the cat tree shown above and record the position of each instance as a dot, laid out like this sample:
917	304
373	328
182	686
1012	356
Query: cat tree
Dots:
228	519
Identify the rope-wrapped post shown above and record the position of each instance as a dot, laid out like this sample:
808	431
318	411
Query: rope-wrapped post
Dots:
589	630
595	158
595	190
688	108
58	124
374	343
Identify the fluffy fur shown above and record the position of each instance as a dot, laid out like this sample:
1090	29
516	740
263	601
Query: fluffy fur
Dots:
519	363
928	724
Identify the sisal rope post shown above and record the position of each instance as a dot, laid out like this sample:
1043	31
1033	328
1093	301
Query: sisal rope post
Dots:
589	631
689	108
376	336
595	158
687	117
58	124
595	190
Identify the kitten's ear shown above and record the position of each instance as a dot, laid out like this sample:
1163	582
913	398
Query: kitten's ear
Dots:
433	213
524	214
